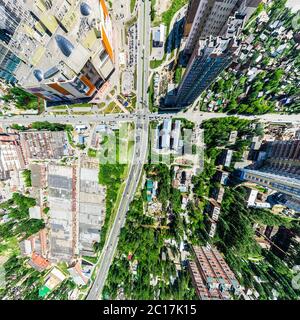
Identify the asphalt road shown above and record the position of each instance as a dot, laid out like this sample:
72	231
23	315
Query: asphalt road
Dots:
141	118
139	153
195	116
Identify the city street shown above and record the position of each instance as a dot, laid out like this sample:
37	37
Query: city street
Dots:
139	153
196	116
141	118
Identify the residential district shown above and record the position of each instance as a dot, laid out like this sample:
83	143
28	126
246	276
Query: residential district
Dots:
149	150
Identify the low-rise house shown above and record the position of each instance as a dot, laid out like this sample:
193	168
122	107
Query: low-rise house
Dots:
182	178
226	157
218	194
11	155
38	262
44	145
35	212
54	278
77	275
233	137
213	209
221	177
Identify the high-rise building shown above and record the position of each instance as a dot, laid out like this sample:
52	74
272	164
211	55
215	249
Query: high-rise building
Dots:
209	18
206	19
208	61
11	14
281	168
65	46
284	156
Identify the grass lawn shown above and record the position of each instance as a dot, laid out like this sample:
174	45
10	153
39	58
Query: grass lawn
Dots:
132	4
80	105
168	15
113	176
92	260
9	247
92	153
111	106
70	138
156	63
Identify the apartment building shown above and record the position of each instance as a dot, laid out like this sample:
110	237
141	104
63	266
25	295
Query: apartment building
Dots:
277	181
226	157
210	18
210	57
206	18
218	194
65	46
284	156
281	168
213	209
211	276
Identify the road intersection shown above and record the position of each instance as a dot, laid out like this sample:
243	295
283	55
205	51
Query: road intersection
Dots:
139	152
141	117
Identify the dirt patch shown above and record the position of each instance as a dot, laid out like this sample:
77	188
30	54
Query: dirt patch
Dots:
161	6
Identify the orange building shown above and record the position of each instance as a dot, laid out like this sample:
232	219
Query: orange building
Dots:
71	53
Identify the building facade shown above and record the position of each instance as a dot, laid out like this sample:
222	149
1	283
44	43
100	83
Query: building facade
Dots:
9	63
210	17
284	156
206	18
65	46
281	168
208	61
12	13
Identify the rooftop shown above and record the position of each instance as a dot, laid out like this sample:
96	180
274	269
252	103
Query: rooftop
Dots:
58	45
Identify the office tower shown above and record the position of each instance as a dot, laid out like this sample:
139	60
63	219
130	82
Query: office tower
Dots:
208	18
281	168
66	47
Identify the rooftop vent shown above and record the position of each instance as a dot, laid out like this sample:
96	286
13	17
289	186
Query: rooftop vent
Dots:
38	74
85	9
64	45
51	72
